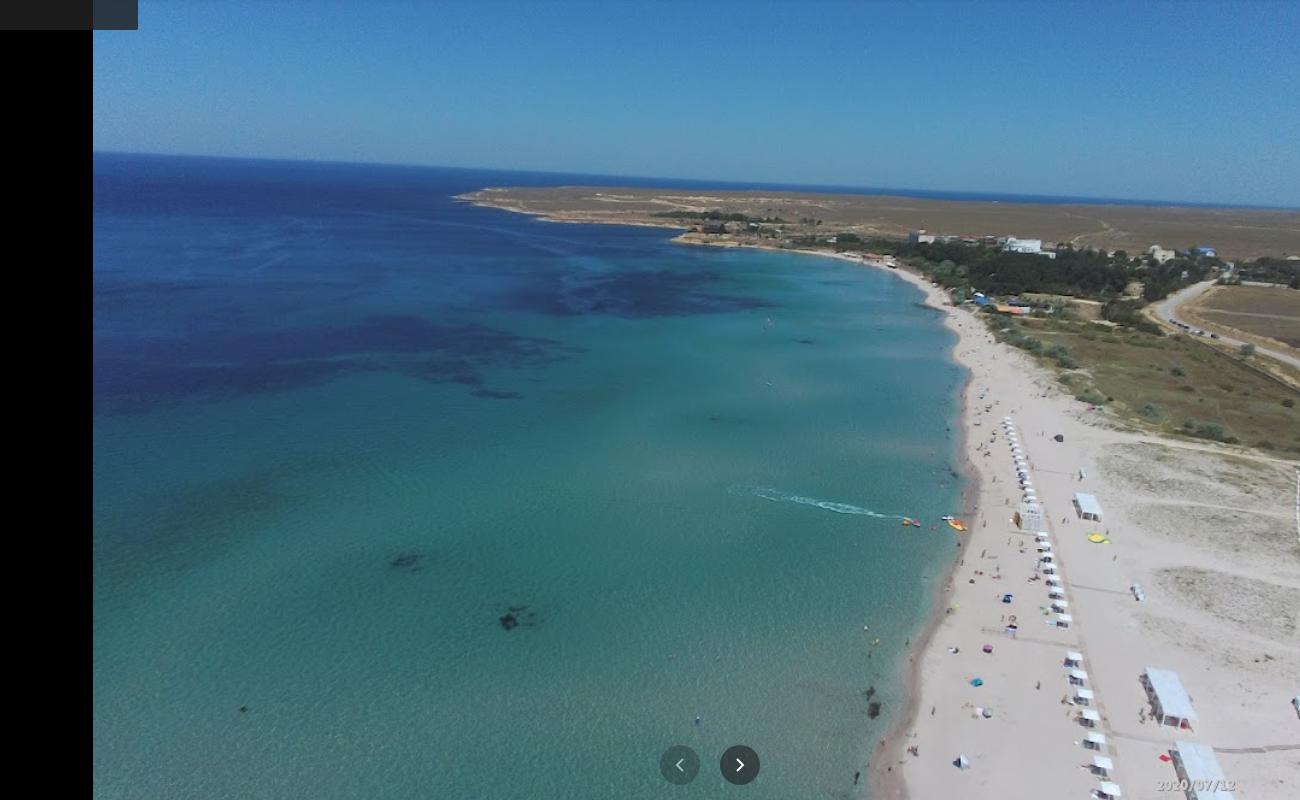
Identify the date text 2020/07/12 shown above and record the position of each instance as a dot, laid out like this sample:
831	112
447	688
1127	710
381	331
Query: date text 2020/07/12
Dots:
1214	785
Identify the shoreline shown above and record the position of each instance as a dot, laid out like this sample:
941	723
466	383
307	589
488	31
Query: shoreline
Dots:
881	757
885	782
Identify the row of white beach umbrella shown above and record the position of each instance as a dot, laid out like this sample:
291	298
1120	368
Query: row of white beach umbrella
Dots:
1021	463
1078	677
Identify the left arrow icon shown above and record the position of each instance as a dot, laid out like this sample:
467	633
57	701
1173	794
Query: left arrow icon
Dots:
679	764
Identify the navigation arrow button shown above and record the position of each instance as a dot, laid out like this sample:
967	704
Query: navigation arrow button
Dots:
745	762
679	764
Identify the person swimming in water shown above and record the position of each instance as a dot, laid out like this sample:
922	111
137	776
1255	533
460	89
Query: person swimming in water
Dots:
697	720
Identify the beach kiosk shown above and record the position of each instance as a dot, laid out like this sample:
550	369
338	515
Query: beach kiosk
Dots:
1073	658
1169	701
1102	765
1084	697
1108	791
1089	718
1199	771
1063	620
1087	507
1055	593
1078	676
1060	606
1094	741
1032	517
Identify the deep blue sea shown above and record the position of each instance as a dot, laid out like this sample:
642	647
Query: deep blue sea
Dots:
398	497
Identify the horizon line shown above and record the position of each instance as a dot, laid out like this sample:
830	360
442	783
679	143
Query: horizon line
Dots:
811	188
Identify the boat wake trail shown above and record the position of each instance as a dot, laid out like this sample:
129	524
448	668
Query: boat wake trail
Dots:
785	497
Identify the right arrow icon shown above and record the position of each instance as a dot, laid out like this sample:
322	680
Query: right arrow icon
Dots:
739	764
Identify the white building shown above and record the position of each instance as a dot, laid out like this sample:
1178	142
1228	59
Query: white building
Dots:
1031	517
920	237
1015	245
1160	254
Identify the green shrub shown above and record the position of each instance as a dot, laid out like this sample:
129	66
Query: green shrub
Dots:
1288	403
1091	397
1150	411
1177	372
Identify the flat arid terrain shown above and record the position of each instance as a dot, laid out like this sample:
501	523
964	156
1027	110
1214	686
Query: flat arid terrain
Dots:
1256	311
1237	233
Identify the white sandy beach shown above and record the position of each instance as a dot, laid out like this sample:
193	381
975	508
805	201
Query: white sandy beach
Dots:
1212	541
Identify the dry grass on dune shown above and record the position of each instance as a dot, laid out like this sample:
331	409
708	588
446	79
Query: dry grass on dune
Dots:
1266	541
1169	473
1265	609
1163	382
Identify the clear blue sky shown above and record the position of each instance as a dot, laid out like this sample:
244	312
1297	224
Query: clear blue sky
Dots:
1165	101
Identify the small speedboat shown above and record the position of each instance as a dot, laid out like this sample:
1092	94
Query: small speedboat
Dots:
955	523
908	521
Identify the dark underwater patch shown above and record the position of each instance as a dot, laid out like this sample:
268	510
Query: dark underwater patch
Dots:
407	561
494	394
630	294
139	375
516	616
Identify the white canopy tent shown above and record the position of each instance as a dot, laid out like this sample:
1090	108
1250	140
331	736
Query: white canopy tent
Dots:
1063	620
1109	790
1087	507
1060	605
1169	698
1055	592
1196	764
1052	580
1078	675
1084	696
1094	741
1073	657
1102	765
1089	717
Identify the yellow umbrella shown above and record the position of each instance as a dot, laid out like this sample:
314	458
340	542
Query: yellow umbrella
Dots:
1097	538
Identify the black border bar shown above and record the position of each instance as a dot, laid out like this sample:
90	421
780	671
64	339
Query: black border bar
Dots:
69	15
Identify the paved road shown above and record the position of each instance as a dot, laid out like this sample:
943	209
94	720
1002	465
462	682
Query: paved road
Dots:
1167	308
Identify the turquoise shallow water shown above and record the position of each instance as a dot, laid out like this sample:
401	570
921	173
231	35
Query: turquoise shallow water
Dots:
669	472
